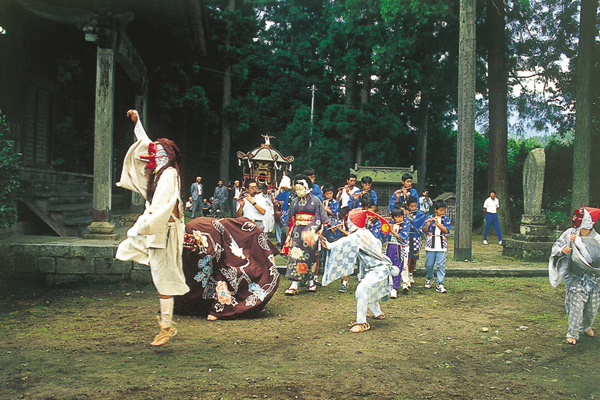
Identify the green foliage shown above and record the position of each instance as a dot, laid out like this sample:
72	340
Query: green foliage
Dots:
557	219
9	182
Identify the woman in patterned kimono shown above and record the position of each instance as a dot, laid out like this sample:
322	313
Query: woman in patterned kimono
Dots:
375	269
307	216
229	266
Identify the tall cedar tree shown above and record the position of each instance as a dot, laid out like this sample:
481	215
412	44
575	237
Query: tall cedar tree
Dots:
583	126
497	91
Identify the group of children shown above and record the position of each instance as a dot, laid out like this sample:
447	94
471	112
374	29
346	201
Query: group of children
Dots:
404	241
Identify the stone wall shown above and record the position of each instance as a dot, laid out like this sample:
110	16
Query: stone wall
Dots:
70	262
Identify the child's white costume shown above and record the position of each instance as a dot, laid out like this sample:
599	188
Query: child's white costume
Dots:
156	239
375	269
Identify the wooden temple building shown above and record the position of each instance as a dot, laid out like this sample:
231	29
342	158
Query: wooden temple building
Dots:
112	43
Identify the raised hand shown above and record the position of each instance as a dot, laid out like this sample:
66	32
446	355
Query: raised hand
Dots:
133	115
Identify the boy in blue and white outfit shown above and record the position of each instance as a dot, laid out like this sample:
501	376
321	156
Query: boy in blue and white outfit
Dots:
415	241
366	182
436	245
396	245
401	195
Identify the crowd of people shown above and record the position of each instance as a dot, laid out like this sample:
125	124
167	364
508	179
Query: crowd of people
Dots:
310	222
230	266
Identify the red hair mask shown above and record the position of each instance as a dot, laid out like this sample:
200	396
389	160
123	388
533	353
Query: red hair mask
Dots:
151	157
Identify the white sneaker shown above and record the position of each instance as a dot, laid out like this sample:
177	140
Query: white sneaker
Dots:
485	242
429	284
411	278
394	294
440	288
500	243
405	288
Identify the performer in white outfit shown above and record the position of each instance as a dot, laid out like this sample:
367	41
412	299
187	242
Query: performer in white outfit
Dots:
152	170
375	269
575	258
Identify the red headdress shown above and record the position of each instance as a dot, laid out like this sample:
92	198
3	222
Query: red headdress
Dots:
359	218
594	213
579	216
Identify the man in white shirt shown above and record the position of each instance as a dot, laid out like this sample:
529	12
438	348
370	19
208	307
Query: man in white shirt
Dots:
425	202
347	195
251	206
490	208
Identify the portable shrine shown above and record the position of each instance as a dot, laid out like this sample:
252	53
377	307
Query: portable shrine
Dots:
264	164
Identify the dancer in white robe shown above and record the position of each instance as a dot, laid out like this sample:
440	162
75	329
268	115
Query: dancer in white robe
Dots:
156	239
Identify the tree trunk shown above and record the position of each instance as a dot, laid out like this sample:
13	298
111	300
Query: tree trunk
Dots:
422	141
226	128
365	97
498	88
349	137
466	132
583	116
195	18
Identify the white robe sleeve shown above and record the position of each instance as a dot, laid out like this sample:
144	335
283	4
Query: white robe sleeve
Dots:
558	265
134	175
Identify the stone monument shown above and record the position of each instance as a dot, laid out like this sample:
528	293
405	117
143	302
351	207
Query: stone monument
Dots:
533	241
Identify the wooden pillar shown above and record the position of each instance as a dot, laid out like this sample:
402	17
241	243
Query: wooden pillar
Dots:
466	132
103	144
137	201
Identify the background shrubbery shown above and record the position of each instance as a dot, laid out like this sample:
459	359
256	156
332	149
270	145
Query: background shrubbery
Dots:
9	183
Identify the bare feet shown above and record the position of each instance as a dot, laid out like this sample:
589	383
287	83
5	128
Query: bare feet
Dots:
571	340
590	332
211	318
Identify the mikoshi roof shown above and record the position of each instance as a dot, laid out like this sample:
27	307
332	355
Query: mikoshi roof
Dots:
265	153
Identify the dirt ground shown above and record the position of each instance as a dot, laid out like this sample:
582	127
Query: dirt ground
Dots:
486	338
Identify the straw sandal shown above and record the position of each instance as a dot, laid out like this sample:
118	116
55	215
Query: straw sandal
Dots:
358	328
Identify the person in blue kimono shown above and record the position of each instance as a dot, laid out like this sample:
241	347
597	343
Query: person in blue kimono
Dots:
366	182
397	245
401	195
415	242
316	189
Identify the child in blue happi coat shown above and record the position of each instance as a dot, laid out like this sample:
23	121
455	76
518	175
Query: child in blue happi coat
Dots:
397	243
436	245
415	242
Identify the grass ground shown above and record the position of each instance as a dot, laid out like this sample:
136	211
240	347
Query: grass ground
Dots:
486	338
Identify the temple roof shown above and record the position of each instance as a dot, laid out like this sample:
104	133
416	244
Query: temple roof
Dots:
151	23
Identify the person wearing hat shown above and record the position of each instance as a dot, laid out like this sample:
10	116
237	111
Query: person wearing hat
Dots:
575	258
375	269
